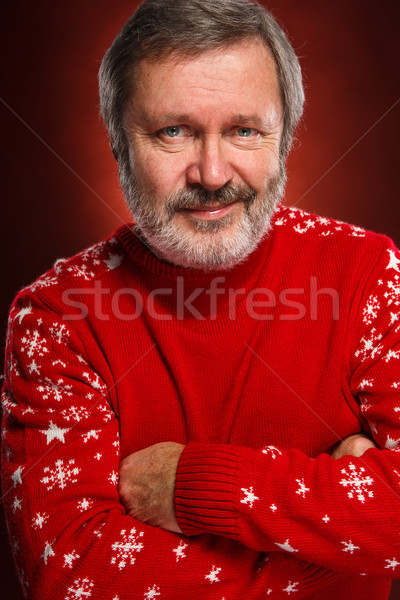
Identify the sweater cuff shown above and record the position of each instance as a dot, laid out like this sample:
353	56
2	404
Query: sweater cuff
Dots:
206	489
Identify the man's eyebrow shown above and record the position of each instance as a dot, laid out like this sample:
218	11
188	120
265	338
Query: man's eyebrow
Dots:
181	118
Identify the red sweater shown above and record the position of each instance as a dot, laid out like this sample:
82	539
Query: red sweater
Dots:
258	371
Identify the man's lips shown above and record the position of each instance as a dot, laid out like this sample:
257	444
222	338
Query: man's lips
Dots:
209	213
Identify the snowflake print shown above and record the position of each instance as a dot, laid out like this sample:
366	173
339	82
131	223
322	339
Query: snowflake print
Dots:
392	354
92	434
365	383
393	294
213	575
43	282
286	547
152	593
349	547
48	552
81	271
60	475
39	520
17	504
113	261
33	343
107	412
273	507
326	519
357	482
369	346
85	504
249	498
392	564
291	587
271	451
126	548
74	413
69	559
309	224
25	310
180	550
81	588
113	478
302	488
391	443
371	309
95	382
54	390
17	476
59	333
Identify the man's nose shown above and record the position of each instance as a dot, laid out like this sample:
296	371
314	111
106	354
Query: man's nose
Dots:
210	167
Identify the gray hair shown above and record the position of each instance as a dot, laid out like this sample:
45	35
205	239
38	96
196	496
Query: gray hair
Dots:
161	28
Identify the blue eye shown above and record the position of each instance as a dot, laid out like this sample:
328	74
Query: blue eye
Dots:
173	131
245	131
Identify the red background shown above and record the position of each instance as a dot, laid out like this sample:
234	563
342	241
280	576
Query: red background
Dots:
59	185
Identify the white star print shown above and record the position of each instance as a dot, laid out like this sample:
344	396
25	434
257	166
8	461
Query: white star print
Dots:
213	575
326	519
54	433
16	476
23	313
291	587
393	262
392	564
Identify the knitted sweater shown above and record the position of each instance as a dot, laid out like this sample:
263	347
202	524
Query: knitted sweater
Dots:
259	371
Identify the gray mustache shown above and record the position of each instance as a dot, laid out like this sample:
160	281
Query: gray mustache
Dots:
200	197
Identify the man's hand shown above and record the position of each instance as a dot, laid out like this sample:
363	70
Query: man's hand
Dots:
147	485
353	445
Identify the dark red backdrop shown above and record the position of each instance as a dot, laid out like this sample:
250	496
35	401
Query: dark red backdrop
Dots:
60	192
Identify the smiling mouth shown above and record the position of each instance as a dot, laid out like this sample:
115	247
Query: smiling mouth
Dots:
210	213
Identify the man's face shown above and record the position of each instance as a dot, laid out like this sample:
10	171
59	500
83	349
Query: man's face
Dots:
204	138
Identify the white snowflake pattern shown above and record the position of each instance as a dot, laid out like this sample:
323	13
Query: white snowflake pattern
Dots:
17	476
365	383
273	507
358	483
74	413
180	550
39	520
98	456
391	443
287	547
393	261
60	475
92	434
291	587
48	551
213	575
43	282
81	588
25	310
152	593
113	261
60	333
302	488
85	504
113	478
309	224
369	346
17	504
393	294
70	558
272	451
371	309
81	271
392	564
250	497
349	547
392	354
326	519
126	548
55	390
107	412
95	382
34	344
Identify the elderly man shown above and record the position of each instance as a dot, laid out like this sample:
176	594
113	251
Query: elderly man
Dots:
181	399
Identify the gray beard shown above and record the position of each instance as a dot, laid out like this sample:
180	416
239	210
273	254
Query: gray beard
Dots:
206	247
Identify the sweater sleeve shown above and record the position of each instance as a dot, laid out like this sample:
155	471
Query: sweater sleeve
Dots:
340	514
70	535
